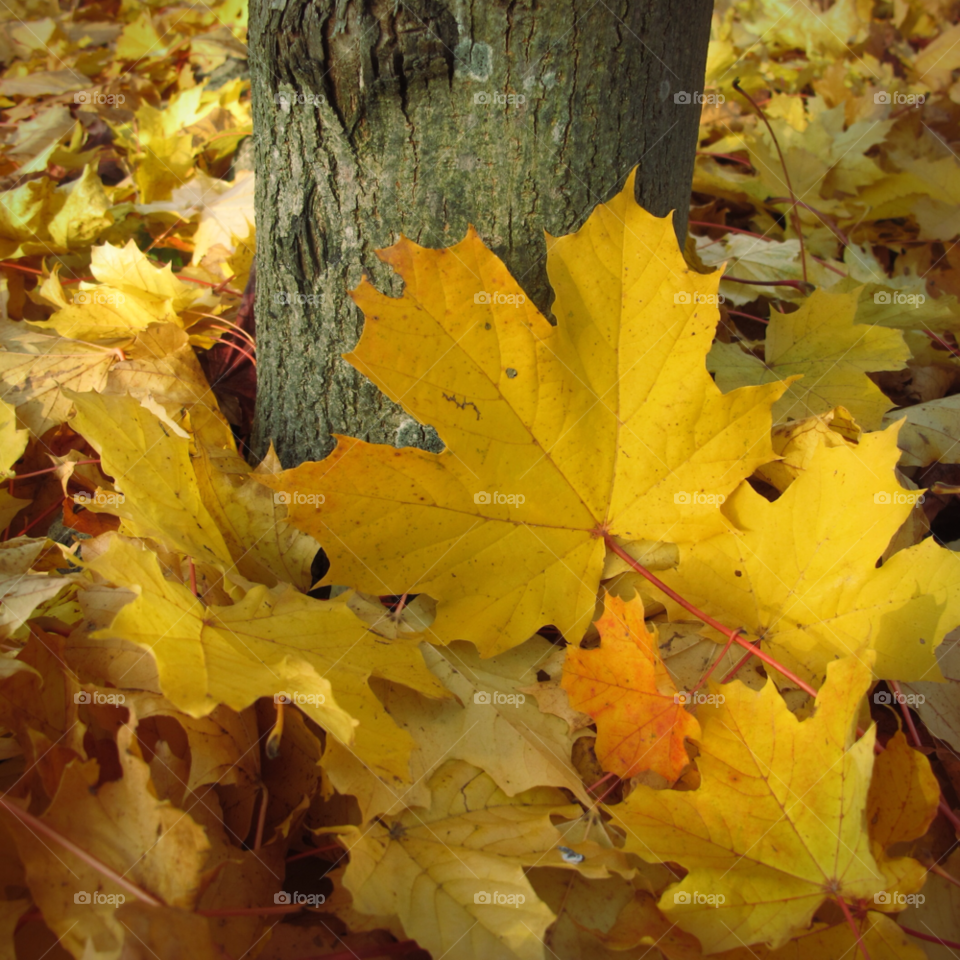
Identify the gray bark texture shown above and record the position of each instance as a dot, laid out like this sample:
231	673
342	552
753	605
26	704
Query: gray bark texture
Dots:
420	117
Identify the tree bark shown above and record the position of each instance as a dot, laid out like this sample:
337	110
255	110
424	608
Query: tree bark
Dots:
423	116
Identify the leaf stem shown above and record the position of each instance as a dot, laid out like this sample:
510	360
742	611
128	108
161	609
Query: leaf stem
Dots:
43	516
940	872
713	666
35	823
248	911
828	221
363	953
905	710
37	473
802	285
315	851
706	618
786	172
593	786
749	316
737	668
931	939
725	156
853	926
262	816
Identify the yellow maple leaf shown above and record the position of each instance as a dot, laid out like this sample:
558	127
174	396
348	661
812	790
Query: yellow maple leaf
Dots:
555	435
931	433
12	440
902	802
153	469
121	822
833	355
777	824
35	367
200	500
266	644
882	938
801	573
453	873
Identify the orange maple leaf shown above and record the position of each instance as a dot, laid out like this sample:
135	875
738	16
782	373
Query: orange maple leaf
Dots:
624	686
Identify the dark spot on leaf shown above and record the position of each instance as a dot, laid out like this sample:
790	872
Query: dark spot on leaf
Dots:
511	373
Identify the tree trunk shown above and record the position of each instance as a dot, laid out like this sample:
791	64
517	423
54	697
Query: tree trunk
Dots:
423	116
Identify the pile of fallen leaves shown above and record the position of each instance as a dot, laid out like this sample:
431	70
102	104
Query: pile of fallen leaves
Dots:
654	660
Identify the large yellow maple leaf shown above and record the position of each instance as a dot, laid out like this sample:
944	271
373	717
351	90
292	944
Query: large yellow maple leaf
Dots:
778	823
801	573
834	355
267	644
608	422
624	686
454	873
